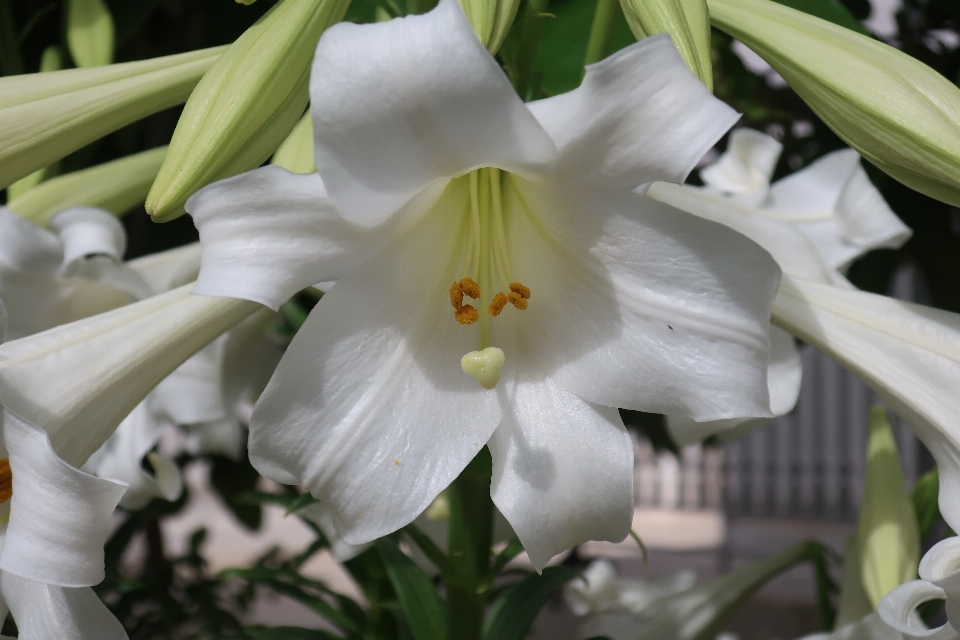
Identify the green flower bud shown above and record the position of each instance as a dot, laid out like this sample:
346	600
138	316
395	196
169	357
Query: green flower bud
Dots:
296	152
897	112
50	60
854	603
45	116
246	105
491	20
90	33
117	186
888	537
687	22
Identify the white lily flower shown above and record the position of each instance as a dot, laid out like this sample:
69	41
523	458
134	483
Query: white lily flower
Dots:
80	380
431	171
939	580
54	521
815	223
600	590
694	613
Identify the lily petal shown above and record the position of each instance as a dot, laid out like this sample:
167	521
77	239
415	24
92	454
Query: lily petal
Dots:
44	611
907	353
369	408
169	269
427	103
122	454
898	611
59	515
562	469
790	247
640	115
746	167
784	375
269	233
86	230
652	309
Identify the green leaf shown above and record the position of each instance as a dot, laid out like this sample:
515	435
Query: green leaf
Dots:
232	479
832	10
926	494
417	595
90	33
519	607
301	501
258	632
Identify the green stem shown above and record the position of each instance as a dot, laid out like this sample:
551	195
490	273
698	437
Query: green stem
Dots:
471	536
529	42
604	26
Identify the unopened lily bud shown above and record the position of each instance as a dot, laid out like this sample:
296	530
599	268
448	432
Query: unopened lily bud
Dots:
888	537
50	60
296	152
687	22
896	111
491	20
245	105
45	116
90	32
117	186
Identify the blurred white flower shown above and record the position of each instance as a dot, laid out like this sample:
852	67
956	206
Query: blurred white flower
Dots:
51	278
431	171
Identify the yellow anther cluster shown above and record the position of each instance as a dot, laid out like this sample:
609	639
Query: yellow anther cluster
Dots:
467	314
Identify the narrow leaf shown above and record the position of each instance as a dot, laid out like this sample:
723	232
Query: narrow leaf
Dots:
521	604
417	595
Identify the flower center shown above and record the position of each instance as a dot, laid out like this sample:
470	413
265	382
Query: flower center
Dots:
6	481
488	274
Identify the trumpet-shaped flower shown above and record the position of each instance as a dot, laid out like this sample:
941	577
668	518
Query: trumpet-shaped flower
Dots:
815	223
53	523
80	380
939	580
473	236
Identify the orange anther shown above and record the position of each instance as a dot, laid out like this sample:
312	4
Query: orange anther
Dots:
6	481
497	304
465	314
519	295
470	288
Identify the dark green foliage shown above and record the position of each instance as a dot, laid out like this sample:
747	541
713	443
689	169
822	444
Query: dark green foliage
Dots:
513	615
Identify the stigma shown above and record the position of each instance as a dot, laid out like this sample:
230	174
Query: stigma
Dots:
484	366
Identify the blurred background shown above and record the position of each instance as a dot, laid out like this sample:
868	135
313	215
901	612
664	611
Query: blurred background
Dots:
709	507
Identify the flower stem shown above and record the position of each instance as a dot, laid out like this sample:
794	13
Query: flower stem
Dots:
601	33
471	534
